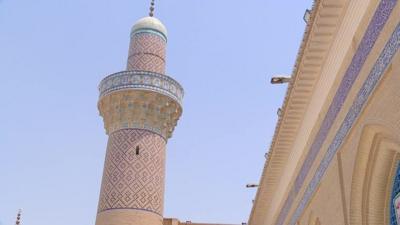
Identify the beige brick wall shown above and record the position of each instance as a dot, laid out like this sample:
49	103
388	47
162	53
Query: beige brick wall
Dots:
128	217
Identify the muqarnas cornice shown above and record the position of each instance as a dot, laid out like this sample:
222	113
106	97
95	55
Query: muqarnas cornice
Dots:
142	100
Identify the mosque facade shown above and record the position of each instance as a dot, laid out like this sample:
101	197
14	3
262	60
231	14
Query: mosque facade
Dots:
335	155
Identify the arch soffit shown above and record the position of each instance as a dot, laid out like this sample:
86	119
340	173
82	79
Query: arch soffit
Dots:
377	151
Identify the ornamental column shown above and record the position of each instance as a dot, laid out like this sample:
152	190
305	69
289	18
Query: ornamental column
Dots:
140	108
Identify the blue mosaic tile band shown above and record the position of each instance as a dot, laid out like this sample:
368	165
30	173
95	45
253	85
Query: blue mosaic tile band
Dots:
148	30
395	193
374	28
142	80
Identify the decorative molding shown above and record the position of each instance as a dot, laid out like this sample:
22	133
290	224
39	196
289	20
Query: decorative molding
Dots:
374	28
342	188
142	80
318	41
139	109
149	31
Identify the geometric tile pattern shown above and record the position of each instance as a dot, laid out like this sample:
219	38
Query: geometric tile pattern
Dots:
148	43
160	83
133	176
395	192
146	62
374	28
147	53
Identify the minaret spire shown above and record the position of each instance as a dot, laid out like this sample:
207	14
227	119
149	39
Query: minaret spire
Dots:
151	8
18	217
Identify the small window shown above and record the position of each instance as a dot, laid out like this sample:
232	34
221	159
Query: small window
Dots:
137	150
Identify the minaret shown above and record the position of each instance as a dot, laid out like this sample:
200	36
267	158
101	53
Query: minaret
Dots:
140	108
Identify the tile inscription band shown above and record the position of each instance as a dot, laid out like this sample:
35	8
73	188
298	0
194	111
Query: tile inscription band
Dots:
374	28
142	80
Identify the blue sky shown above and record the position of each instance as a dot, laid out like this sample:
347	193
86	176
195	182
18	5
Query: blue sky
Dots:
54	53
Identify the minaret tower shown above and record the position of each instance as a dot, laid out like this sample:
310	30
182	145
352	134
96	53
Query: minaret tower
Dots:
140	108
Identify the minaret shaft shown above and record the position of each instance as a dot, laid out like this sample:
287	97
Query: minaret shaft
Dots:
134	168
133	178
147	52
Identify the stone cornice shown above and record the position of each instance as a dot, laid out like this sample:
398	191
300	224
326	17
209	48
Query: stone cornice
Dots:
317	40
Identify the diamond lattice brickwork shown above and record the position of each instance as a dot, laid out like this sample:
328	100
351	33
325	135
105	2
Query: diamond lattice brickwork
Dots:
134	179
147	52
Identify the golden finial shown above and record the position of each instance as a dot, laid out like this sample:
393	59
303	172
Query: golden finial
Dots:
18	217
151	8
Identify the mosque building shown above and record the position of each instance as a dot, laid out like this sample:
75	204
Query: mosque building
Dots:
335	155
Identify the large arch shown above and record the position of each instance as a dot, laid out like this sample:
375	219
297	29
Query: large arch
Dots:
377	157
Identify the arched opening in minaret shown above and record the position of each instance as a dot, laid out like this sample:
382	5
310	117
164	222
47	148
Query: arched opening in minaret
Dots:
137	150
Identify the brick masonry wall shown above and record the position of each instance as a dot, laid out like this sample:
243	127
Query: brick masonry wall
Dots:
134	172
147	52
128	217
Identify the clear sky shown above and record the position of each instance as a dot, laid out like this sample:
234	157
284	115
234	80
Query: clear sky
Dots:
53	54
